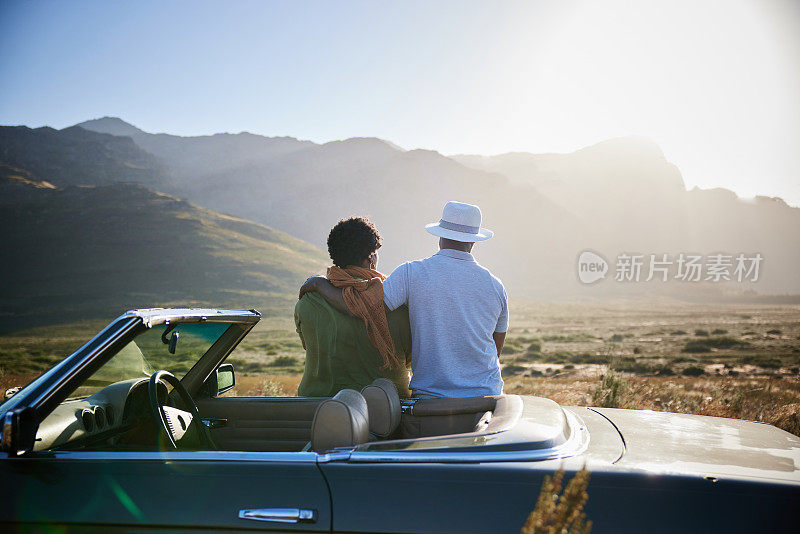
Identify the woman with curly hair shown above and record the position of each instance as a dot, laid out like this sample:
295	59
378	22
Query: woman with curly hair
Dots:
459	309
350	350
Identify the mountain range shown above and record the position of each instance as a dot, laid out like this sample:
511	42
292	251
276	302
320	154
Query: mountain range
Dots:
619	196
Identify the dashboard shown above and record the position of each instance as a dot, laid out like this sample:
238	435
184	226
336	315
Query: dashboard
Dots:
99	418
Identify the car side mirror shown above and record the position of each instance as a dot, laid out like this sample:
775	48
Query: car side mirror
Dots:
18	432
225	378
219	382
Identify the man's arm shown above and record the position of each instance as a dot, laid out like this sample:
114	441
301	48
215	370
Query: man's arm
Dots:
331	293
298	328
501	328
499	340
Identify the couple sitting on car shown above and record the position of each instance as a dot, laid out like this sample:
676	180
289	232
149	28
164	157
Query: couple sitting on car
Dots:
445	315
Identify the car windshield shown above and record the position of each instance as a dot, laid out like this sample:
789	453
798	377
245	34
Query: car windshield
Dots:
144	355
148	353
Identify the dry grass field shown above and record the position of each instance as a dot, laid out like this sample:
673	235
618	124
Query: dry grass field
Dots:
723	360
728	361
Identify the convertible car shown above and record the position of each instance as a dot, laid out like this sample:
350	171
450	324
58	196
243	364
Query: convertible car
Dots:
132	432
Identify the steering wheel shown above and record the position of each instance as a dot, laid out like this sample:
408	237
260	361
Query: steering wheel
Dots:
174	423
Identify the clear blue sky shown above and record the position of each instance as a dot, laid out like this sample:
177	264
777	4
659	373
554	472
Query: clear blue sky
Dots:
716	84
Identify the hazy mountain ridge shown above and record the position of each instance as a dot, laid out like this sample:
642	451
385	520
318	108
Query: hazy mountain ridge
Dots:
304	191
639	203
618	196
612	169
76	156
207	153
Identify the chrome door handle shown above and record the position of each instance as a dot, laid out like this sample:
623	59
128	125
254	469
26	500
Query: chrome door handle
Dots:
280	515
215	423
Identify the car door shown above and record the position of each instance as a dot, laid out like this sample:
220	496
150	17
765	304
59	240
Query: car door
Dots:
394	497
173	491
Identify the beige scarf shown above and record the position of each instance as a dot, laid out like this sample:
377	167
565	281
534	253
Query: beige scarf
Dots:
362	290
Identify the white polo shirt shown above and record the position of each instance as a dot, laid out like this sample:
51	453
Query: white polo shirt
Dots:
454	306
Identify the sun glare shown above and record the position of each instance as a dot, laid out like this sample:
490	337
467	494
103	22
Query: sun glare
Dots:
711	83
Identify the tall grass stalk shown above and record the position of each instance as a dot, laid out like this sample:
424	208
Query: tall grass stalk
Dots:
558	512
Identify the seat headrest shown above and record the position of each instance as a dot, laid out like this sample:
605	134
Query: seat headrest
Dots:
341	421
383	404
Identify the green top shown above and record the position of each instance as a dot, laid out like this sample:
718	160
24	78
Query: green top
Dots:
339	353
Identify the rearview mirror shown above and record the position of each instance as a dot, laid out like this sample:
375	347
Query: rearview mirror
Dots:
173	342
225	378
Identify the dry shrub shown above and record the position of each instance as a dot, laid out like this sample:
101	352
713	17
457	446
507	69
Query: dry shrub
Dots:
721	342
284	361
787	417
773	402
557	512
272	388
610	392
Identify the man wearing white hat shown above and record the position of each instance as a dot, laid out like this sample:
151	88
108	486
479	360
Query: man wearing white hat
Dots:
457	308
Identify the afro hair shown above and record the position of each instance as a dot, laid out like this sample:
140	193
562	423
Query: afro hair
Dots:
352	241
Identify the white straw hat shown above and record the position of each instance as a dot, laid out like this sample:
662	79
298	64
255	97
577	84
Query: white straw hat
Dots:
460	222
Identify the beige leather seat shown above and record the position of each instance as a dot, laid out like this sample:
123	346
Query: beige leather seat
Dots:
383	404
341	421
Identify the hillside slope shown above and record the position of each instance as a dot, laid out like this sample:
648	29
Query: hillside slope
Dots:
99	250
